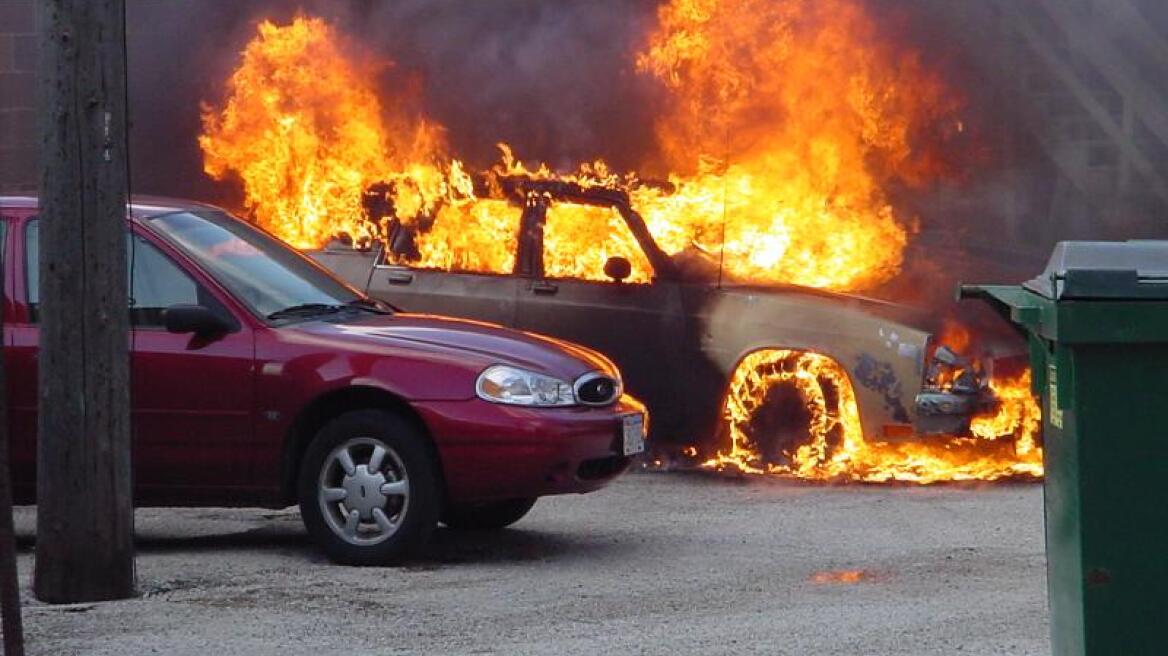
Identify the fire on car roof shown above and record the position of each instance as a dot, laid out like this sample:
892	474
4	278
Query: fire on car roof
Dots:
778	144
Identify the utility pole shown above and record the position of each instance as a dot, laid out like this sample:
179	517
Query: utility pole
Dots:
85	520
9	580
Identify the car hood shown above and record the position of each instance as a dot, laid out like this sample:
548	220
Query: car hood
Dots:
475	343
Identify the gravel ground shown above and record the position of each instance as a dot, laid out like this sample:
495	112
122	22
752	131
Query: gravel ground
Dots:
655	564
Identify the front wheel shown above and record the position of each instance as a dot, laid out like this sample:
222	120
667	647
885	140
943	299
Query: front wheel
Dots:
368	489
487	515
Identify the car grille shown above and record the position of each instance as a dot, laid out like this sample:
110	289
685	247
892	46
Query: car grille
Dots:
597	389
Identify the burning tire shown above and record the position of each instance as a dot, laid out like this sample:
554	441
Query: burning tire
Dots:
780	425
787	411
368	489
486	516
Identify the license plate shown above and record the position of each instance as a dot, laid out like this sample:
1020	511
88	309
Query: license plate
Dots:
634	434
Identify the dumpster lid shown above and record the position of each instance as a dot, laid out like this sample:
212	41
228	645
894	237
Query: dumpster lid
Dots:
1134	269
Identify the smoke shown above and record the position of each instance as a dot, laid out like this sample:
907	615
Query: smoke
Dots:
178	54
556	80
553	79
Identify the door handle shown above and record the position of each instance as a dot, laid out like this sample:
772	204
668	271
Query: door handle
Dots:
544	287
400	277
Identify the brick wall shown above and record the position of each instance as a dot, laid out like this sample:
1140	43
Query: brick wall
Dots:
18	89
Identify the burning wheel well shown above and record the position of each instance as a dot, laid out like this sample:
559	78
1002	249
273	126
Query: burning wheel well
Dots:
789	408
331	405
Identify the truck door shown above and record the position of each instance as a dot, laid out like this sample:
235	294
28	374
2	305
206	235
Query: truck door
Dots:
637	323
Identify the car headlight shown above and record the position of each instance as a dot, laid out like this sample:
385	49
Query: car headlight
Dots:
514	386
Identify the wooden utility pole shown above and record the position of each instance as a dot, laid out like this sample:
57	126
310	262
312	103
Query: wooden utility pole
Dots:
85	520
9	580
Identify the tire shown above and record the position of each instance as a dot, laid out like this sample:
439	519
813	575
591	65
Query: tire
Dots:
364	517
781	425
487	515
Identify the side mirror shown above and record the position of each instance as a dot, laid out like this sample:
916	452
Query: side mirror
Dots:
618	268
197	319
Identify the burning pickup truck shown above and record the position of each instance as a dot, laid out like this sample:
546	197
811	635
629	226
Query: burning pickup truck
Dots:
711	289
790	374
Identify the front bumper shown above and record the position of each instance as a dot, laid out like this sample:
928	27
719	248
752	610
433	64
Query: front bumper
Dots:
948	407
945	412
493	451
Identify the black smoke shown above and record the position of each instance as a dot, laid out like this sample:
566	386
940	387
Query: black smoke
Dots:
553	79
556	80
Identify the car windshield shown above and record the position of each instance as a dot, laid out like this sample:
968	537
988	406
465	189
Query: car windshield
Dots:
274	280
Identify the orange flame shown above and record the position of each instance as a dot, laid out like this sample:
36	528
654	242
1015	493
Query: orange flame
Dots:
304	133
1004	444
841	576
786	120
783	121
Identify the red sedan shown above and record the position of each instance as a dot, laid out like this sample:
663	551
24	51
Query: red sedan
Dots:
259	379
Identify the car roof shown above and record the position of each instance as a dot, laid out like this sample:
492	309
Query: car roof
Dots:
140	206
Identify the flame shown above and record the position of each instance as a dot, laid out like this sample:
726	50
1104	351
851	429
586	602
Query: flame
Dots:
1004	444
782	123
786	120
567	225
955	335
841	576
303	132
307	136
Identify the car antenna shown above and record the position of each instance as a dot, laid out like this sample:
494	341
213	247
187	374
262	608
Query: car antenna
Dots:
373	266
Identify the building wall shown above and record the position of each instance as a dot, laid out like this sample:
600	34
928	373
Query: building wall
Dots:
18	91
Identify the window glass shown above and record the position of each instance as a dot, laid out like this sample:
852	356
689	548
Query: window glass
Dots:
157	284
32	272
157	281
579	239
259	270
5	305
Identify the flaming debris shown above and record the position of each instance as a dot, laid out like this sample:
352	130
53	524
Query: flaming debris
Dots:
834	448
845	576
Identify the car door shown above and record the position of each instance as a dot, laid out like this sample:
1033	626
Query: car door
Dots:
639	325
20	362
192	397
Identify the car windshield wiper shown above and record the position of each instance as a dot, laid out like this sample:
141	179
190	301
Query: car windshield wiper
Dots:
369	304
306	310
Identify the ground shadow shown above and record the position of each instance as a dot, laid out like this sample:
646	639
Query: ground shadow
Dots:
262	536
454	547
446	547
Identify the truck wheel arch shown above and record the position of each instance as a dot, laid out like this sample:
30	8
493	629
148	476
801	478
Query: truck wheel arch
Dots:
760	357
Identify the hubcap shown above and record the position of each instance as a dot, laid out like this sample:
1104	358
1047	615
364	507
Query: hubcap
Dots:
364	491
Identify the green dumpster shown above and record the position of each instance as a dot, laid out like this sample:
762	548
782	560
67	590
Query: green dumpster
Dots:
1096	321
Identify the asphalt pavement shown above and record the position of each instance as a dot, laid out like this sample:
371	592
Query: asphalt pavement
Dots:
658	563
